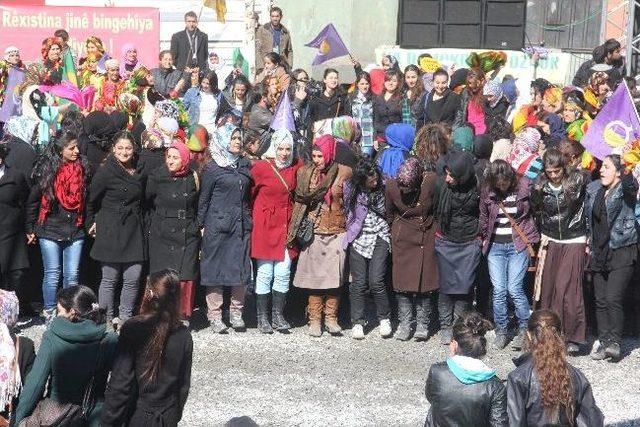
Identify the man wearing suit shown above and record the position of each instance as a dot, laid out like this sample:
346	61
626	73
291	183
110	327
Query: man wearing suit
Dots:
189	48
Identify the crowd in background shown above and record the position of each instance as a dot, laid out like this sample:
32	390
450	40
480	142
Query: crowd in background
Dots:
447	194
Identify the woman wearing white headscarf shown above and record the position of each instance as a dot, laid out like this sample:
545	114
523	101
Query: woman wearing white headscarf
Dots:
224	216
274	181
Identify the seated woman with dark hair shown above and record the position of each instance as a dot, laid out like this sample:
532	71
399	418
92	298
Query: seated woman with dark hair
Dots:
463	391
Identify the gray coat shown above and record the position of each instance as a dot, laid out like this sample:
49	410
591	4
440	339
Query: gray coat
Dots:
225	215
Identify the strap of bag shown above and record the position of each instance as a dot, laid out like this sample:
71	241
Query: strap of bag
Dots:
518	230
275	170
196	178
87	400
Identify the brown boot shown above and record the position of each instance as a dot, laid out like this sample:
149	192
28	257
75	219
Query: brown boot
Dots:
314	309
331	314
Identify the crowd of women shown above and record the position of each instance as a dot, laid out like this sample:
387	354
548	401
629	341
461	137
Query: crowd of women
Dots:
435	190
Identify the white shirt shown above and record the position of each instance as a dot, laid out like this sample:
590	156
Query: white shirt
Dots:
208	108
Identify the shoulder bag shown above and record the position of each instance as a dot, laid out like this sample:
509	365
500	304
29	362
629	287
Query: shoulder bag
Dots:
533	260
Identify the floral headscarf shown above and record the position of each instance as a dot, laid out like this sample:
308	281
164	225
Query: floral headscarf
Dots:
21	127
10	381
219	147
345	128
524	149
494	88
410	173
280	138
167	108
124	62
168	128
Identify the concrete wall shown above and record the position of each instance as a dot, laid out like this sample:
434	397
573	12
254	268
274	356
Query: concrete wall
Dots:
362	24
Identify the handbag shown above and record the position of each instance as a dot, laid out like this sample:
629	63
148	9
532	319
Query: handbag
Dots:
50	413
304	236
533	259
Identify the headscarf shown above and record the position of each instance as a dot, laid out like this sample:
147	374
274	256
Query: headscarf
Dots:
327	145
400	138
494	88
510	90
124	61
184	158
462	138
529	139
112	63
553	95
524	150
219	147
501	150
10	381
482	146
21	127
280	138
99	128
427	82
8	51
410	173
557	131
168	127
541	85
152	139
346	129
458	79
167	108
459	164
198	138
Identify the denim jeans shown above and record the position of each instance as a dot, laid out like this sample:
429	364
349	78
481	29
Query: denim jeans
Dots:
507	268
278	271
56	257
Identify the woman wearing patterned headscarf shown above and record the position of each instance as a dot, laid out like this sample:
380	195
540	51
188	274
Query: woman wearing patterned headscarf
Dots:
319	198
224	215
410	211
129	61
496	104
274	182
12	72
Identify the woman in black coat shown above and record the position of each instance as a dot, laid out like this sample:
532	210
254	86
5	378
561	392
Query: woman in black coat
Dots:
151	375
20	131
225	215
440	105
13	243
387	108
174	238
117	192
331	103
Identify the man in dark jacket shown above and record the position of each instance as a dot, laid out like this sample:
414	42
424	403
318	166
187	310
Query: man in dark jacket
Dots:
166	78
273	37
189	47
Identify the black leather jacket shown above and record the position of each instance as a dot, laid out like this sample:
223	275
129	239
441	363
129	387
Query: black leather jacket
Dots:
456	404
561	215
525	402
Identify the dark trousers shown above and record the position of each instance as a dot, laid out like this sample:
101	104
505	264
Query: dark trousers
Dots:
450	307
374	272
12	280
610	289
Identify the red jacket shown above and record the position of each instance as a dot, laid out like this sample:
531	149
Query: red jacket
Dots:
272	209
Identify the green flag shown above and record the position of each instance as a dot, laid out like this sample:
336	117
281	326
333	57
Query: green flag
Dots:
69	68
240	62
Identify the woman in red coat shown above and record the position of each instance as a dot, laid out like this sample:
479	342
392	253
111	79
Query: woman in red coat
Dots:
274	181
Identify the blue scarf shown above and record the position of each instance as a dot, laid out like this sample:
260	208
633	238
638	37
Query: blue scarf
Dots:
400	138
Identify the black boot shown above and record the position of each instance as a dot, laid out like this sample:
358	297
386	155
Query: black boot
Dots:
423	317
262	304
277	317
405	317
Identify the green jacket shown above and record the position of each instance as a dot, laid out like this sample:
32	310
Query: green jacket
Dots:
67	357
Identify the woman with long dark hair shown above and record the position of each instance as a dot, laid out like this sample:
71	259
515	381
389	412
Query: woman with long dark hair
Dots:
330	103
174	239
410	211
545	389
440	105
508	231
368	240
151	375
76	350
387	107
361	109
56	214
238	96
463	391
457	244
472	102
432	144
613	239
117	192
558	198
206	104
274	182
413	88
319	197
224	216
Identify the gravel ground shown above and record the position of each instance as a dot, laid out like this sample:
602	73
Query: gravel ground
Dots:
297	380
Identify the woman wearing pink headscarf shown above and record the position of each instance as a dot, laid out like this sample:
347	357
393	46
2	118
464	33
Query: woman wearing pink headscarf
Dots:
174	241
128	60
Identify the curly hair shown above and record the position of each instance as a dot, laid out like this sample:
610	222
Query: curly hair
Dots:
545	343
47	166
499	128
432	142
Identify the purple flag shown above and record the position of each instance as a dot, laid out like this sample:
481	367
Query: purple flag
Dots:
329	45
615	126
283	117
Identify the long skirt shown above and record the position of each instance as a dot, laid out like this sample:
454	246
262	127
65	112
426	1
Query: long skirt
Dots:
561	288
322	264
457	265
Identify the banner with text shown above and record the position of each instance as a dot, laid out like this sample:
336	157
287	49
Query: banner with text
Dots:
26	26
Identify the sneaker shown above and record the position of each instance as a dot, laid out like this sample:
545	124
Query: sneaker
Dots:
445	336
403	333
237	323
573	349
422	333
600	353
501	339
613	352
218	326
186	323
385	328
518	340
357	332
48	316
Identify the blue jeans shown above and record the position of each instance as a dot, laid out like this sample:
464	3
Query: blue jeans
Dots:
278	271
507	268
57	256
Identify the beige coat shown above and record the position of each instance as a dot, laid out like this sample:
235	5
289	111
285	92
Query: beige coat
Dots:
264	45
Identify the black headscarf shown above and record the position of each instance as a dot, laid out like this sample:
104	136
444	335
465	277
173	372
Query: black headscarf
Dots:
99	129
459	164
458	78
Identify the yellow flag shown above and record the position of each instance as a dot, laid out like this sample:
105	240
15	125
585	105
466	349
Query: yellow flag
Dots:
220	7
